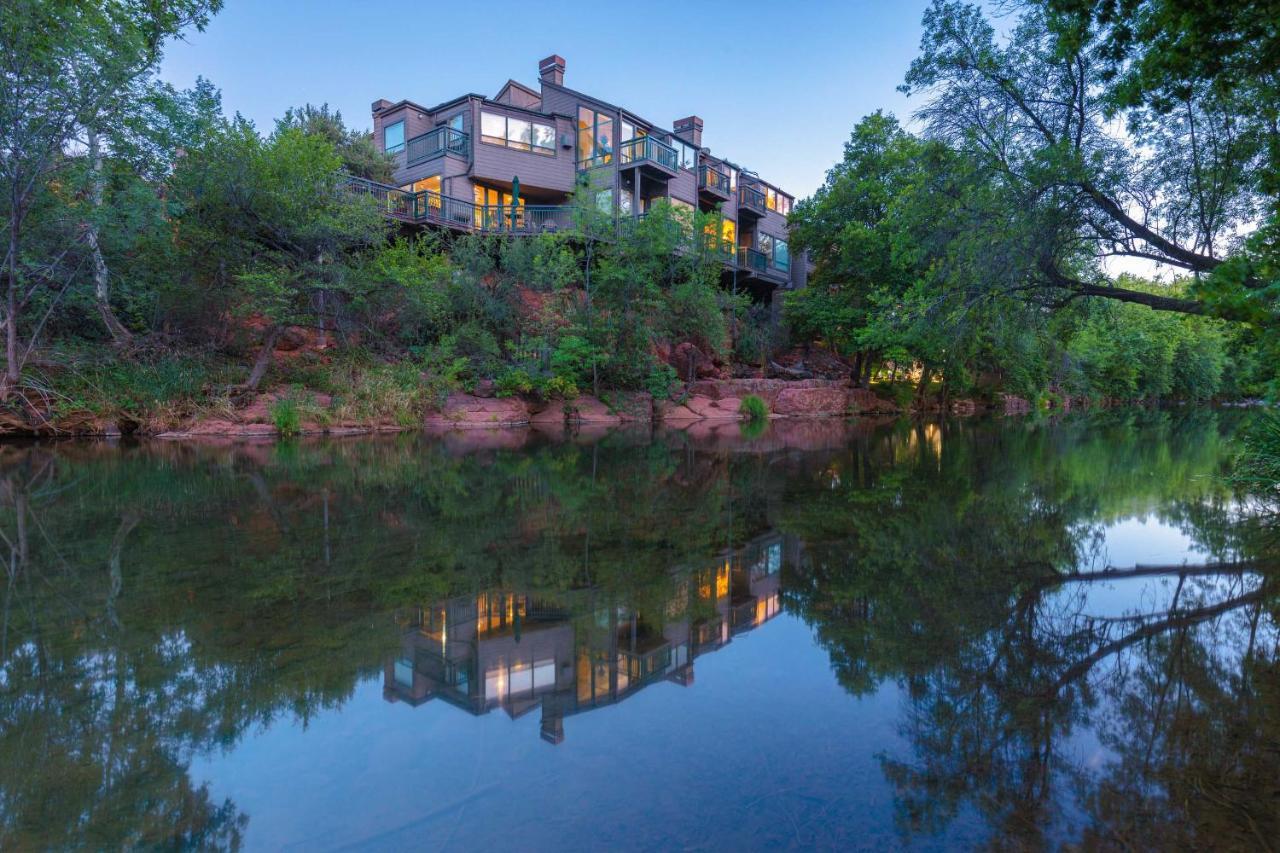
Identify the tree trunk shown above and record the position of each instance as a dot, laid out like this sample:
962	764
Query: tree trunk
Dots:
868	367
855	372
120	336
12	369
265	356
926	374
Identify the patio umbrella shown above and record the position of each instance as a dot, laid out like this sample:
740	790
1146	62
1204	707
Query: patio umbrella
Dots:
515	199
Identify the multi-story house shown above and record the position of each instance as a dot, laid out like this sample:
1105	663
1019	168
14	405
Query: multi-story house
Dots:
509	164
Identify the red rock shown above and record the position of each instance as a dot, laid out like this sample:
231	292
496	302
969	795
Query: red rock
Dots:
589	410
864	401
810	402
723	409
464	411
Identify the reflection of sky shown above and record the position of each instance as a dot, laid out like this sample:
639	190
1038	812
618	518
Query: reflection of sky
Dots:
765	747
1147	540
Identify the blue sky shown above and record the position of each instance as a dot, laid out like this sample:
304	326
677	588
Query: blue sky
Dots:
779	85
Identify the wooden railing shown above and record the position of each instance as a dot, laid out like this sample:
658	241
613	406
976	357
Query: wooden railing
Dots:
434	143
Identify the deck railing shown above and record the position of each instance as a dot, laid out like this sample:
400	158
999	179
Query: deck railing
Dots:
752	259
648	148
713	179
751	198
434	143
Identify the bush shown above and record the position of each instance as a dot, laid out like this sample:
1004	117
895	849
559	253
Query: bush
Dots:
754	408
1258	465
286	414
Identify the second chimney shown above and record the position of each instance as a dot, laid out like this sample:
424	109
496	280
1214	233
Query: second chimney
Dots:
690	130
551	70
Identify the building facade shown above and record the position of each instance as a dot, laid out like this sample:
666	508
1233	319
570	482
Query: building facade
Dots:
509	164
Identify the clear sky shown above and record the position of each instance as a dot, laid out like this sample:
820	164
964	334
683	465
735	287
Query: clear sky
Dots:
778	84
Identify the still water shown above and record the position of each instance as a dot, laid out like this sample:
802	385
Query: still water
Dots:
1010	633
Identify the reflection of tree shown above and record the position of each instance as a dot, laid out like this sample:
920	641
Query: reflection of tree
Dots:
960	575
161	600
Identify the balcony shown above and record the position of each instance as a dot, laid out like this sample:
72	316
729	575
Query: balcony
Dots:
432	208
434	143
657	159
753	261
713	183
751	200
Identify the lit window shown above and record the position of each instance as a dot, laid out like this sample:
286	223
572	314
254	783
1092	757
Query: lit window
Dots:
729	232
595	137
393	137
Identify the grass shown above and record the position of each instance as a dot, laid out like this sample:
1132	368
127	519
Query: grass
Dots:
754	408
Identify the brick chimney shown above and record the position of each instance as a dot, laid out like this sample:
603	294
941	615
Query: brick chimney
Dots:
551	69
380	105
690	130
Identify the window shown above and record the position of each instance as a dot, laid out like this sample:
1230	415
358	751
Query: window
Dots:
493	128
595	137
429	202
544	138
686	154
729	233
771	198
733	180
456	122
393	137
604	200
781	255
624	201
784	204
517	133
765	244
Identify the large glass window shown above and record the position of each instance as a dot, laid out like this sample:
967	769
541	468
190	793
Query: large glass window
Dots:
729	233
765	244
781	255
393	137
518	133
686	154
595	137
604	200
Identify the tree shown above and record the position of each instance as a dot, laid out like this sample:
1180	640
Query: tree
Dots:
66	66
360	156
274	216
1034	111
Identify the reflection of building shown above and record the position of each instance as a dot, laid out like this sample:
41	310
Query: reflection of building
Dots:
518	652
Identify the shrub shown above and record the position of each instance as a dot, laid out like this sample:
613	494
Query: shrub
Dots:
754	408
286	414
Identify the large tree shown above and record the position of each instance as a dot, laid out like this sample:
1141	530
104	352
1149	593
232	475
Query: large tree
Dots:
1085	176
68	69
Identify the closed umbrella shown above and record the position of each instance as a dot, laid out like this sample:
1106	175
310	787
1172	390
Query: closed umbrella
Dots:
515	199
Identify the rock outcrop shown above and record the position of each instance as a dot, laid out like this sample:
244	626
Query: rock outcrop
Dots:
466	411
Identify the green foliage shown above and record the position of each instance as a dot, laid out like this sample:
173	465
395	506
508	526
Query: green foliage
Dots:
1258	465
361	156
286	415
754	408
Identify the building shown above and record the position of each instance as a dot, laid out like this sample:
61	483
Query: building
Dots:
457	165
516	652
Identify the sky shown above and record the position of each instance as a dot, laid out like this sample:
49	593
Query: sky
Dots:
779	85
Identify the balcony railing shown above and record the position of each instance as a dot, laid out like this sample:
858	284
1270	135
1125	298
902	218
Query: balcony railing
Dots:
429	206
648	148
753	259
434	143
751	199
710	178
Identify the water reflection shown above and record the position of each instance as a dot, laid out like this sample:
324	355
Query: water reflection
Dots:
577	651
166	604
